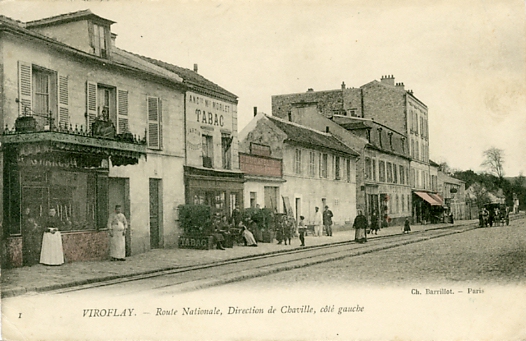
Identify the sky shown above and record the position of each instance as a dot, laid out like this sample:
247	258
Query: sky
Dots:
465	59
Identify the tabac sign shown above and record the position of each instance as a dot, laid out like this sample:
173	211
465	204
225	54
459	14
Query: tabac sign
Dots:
210	112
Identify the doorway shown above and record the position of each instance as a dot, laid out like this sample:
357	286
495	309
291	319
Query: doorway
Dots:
119	194
155	213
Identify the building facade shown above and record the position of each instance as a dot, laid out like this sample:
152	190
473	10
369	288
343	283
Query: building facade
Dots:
88	126
318	169
390	106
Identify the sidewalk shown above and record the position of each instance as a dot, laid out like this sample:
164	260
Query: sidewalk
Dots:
40	278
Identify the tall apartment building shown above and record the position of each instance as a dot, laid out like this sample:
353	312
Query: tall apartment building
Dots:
387	104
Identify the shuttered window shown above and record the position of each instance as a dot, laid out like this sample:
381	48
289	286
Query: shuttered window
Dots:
63	100
122	111
154	107
91	103
25	97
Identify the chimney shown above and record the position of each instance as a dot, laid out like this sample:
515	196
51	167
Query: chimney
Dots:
389	80
113	38
400	85
327	129
255	111
195	68
343	85
310	90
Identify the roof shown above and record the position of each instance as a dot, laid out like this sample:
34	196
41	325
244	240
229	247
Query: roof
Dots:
193	79
310	137
67	17
119	59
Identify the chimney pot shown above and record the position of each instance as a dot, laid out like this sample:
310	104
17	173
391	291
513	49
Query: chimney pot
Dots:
310	90
343	85
195	68
255	111
327	129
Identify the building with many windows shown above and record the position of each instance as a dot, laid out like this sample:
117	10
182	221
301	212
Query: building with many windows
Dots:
211	173
88	125
317	168
382	173
390	106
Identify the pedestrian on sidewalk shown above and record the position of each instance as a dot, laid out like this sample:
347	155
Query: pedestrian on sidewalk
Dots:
317	221
374	224
117	226
52	252
302	229
31	239
360	226
407	227
327	220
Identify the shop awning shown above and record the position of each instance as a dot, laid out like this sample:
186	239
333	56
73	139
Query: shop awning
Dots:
437	198
92	149
428	198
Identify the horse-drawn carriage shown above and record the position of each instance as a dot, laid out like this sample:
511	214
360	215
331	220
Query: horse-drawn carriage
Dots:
495	214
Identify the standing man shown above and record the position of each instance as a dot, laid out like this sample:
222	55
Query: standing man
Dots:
302	229
236	216
117	226
327	220
360	226
317	220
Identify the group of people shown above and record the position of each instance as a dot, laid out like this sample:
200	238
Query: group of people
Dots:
42	240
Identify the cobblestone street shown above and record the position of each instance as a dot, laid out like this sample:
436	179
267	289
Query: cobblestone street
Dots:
494	255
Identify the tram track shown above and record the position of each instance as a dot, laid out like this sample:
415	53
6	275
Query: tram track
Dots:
195	277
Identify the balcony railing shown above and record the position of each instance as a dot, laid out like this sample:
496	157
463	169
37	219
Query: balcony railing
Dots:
99	129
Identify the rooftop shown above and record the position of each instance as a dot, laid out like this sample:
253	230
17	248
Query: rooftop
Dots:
311	137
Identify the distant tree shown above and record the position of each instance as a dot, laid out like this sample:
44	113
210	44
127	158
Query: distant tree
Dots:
481	194
444	167
494	161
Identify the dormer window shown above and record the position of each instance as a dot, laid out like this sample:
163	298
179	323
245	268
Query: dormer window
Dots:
100	40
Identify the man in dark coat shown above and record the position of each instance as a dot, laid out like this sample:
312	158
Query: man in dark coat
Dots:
327	221
360	226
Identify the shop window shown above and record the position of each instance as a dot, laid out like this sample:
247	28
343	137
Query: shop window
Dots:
208	151
74	196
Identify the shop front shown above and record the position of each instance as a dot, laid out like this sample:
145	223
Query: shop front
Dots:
427	207
222	190
64	172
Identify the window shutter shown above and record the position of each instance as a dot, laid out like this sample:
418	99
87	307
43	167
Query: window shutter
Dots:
63	100
25	88
91	103
122	111
160	112
153	122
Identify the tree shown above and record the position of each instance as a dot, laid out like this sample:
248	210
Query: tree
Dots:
494	161
480	194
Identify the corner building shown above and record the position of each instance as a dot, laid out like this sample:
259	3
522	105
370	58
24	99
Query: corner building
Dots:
88	125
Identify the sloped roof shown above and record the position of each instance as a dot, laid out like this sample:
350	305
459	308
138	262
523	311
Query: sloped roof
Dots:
310	137
63	18
193	79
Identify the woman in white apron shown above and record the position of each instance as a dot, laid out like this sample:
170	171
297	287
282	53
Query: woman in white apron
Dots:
117	226
52	253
